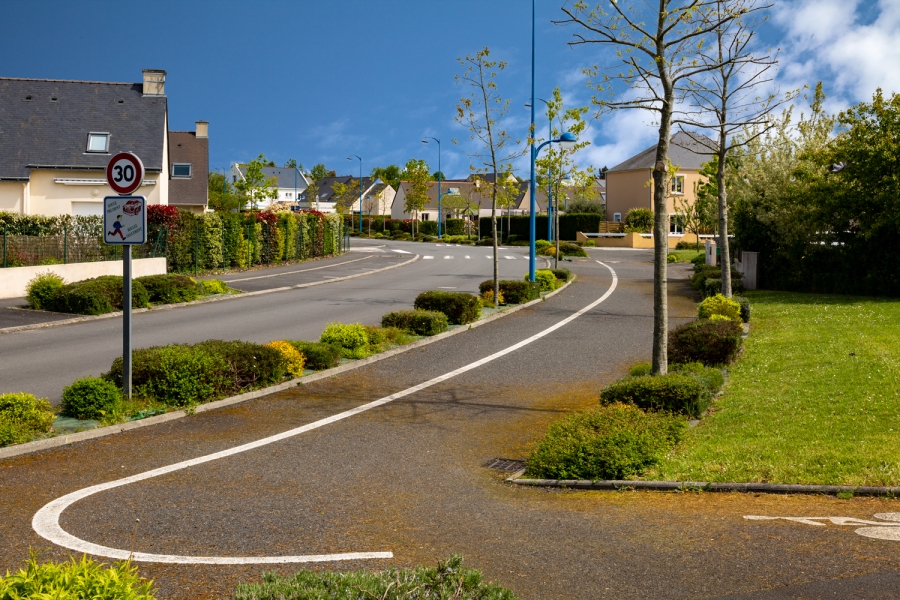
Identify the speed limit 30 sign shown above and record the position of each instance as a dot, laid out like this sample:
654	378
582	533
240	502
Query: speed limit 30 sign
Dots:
125	173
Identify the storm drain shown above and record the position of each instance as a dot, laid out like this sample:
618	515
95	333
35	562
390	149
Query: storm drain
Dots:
505	464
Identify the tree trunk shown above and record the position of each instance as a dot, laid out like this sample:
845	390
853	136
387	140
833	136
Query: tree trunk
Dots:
723	218
496	262
661	243
556	228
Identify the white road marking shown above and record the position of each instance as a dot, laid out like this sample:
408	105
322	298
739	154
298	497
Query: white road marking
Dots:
366	249
468	257
46	521
448	256
427	257
510	257
346	262
488	256
401	251
887	529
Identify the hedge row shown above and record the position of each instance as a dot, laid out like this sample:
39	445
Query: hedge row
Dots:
460	308
520	226
514	291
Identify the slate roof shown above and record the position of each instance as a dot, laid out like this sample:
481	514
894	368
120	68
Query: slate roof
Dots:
284	176
467	189
681	152
186	147
48	133
326	186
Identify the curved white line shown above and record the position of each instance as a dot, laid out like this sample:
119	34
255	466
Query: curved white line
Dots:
46	520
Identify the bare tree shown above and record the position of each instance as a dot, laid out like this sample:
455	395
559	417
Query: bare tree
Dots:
726	100
482	112
656	43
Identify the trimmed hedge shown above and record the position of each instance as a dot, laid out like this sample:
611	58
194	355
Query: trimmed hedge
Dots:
713	286
745	307
170	288
712	343
22	417
719	305
545	279
565	249
569	225
42	288
514	291
460	307
419	322
607	442
90	398
561	274
352	339
711	377
97	296
319	355
673	392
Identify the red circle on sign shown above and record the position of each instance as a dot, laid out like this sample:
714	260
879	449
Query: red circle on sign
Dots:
125	173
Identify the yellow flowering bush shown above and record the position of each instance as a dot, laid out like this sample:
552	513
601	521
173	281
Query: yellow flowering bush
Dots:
295	360
719	305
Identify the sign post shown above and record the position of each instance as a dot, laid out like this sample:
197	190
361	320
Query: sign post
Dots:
125	224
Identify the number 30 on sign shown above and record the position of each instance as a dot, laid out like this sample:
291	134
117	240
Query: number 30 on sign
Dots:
125	173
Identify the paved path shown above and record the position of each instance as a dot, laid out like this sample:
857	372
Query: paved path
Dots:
408	478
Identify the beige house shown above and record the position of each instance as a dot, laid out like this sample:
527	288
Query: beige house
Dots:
56	138
628	185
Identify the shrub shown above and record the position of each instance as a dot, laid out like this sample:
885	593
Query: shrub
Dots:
351	339
23	416
460	307
318	355
545	279
745	307
607	442
42	289
709	342
515	292
671	258
294	361
590	244
561	274
688	246
543	244
698	260
381	338
711	377
673	392
565	249
719	305
97	296
208	287
249	365
640	369
419	322
177	375
90	398
169	288
487	298
639	220
449	580
713	286
76	580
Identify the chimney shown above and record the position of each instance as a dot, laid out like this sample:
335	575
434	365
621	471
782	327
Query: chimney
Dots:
154	82
202	130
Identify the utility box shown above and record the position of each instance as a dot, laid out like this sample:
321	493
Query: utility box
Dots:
711	253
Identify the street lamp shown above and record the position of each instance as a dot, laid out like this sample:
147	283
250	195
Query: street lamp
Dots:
440	176
566	141
549	186
351	157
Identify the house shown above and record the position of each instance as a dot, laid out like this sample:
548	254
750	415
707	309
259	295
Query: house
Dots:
457	193
57	136
377	196
627	183
189	168
289	182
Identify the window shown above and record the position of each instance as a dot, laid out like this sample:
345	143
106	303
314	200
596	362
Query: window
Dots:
617	217
678	184
181	170
425	216
98	142
676	225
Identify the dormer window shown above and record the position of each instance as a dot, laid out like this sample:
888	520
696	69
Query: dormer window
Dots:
98	142
181	170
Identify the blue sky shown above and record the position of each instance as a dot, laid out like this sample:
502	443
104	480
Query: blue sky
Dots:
321	80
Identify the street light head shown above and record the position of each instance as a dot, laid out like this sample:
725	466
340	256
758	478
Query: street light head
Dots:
567	140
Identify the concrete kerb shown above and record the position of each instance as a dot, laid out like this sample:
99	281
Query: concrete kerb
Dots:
64	440
201	301
705	486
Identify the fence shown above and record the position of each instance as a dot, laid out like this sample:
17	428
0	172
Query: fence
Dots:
59	249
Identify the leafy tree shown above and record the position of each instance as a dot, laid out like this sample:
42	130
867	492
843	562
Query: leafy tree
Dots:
482	111
438	176
389	174
255	186
458	204
312	195
293	164
319	172
416	173
345	194
655	48
221	193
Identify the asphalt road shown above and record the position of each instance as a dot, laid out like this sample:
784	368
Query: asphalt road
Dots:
43	361
408	477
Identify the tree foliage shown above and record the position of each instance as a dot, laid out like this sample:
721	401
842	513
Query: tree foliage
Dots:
417	174
255	186
222	196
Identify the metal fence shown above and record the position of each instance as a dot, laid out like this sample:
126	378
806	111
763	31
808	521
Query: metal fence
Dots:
33	250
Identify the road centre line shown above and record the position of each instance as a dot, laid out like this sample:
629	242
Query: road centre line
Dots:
46	521
300	271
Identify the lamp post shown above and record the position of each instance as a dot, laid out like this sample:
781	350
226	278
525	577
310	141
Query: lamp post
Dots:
549	186
566	141
440	176
351	157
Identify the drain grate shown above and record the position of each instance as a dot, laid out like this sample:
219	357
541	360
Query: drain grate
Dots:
505	464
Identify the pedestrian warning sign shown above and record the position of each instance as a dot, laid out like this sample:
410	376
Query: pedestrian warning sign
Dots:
125	220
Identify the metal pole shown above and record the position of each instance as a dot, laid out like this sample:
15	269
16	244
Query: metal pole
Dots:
196	246
440	177
65	245
532	204
126	321
4	246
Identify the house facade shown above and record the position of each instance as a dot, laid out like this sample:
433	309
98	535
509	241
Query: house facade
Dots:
289	183
377	197
458	192
56	138
189	168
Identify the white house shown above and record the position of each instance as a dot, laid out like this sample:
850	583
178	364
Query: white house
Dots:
289	182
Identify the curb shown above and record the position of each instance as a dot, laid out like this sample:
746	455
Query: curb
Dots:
203	301
706	486
64	440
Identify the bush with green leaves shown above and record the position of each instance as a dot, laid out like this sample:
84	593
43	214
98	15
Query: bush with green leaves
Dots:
639	220
383	338
460	307
616	442
544	278
561	274
97	296
713	286
352	339
565	249
319	356
712	343
448	581
75	580
22	417
674	392
169	288
745	307
419	322
719	305
209	287
90	398
514	291
711	377
42	289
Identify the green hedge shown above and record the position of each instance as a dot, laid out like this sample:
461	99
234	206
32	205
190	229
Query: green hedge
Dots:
419	322
90	398
319	356
569	225
745	307
712	343
711	377
96	296
514	292
460	307
352	339
170	288
562	274
675	393
454	227
607	442
41	290
22	417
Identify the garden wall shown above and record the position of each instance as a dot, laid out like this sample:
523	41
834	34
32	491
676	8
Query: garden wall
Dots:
15	279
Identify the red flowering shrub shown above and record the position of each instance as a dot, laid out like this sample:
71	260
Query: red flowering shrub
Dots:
158	214
267	217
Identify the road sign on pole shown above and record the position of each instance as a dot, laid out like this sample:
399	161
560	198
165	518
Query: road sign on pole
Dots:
125	224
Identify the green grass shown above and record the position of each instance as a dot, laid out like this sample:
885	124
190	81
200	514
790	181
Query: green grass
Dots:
814	398
686	255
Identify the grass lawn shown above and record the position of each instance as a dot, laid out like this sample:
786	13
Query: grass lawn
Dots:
686	255
814	398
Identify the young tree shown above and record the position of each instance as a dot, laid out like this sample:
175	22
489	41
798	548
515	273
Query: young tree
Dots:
655	47
319	172
389	174
482	111
255	186
221	193
416	173
345	194
312	195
